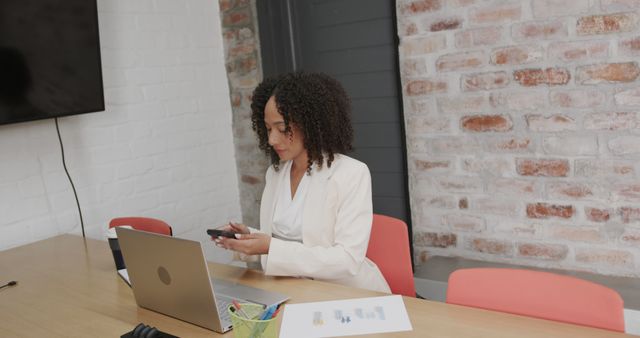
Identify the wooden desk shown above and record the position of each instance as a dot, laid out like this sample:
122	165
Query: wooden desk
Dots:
68	287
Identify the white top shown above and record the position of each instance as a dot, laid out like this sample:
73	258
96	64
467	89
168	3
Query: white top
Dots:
287	217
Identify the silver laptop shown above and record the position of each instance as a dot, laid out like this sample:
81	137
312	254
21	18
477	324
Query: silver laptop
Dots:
170	275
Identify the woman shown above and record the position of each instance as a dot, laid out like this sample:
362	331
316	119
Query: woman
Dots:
316	208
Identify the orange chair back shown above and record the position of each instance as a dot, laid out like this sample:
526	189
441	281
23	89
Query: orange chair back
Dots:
389	249
538	294
143	224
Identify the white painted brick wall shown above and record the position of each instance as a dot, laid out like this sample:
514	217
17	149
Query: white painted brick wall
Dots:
163	148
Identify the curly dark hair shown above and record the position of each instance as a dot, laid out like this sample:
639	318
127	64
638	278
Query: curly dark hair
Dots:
317	104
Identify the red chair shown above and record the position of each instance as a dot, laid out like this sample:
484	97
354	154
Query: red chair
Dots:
144	224
538	294
389	249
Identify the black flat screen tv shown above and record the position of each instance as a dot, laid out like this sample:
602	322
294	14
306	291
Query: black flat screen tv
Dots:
49	59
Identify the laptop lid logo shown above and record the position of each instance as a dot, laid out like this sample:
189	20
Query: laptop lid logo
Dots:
164	276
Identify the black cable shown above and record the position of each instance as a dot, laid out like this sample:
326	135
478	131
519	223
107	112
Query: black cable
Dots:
11	283
64	164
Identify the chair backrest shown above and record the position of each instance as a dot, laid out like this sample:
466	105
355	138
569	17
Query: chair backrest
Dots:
144	224
538	294
389	249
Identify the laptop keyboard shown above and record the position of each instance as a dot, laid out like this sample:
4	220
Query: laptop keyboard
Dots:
223	306
223	302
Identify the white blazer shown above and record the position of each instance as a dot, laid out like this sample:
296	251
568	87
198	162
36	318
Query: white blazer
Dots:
336	224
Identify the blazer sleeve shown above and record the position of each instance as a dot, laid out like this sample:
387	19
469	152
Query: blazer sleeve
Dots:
237	256
351	233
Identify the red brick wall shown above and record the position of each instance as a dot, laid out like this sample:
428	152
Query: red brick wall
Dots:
523	131
244	72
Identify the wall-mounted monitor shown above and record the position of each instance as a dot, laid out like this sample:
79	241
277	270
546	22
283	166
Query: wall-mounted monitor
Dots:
49	59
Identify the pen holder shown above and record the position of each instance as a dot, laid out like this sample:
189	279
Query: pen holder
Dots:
252	328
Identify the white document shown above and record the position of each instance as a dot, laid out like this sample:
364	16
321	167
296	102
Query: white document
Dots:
124	275
345	317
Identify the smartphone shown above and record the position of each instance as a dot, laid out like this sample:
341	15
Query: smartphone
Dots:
221	233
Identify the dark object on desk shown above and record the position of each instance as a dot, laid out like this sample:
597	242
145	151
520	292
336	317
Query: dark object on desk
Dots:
11	283
117	255
146	331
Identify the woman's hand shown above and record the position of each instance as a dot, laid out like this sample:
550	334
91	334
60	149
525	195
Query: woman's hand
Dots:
248	244
245	242
238	228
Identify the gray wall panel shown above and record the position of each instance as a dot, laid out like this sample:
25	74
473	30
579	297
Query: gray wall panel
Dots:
386	184
335	12
381	159
359	60
354	35
390	206
375	109
374	135
356	42
370	85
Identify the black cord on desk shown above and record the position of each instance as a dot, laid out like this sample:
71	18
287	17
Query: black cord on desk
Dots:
11	283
